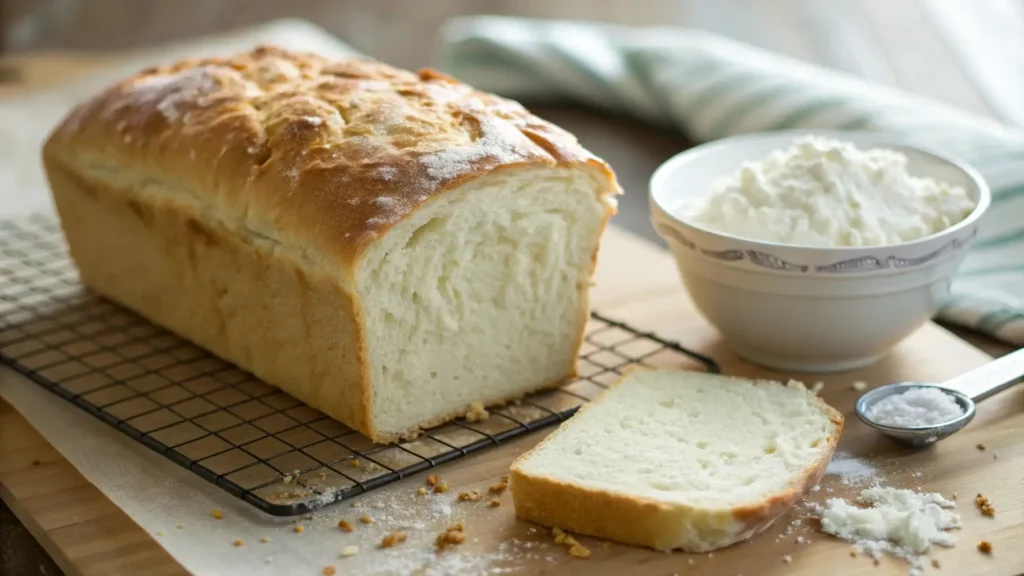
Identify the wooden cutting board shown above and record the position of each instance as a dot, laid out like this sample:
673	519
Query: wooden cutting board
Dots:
637	283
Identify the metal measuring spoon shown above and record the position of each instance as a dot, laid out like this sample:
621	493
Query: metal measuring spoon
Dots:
966	389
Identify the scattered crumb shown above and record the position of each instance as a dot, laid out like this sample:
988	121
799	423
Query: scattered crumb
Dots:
365	519
392	539
815	488
268	559
421	490
36	463
859	385
787	558
354	463
217	514
357	504
495	502
985	547
159	532
432	480
238	543
935	563
477	412
179	526
711	554
995	456
985	506
980	447
799	539
818	386
853	552
578	550
264	540
349	551
450	537
954	496
345	526
499	488
328	571
441	488
470	496
691	561
288	479
298	529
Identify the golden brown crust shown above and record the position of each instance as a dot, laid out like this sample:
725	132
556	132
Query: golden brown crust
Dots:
310	152
644	522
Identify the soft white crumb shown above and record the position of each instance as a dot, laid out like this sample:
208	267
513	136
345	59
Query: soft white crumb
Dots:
787	558
859	385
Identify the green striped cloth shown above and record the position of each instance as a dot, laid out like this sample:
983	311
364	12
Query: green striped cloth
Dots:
710	87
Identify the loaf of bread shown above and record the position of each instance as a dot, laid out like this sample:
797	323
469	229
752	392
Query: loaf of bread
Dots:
391	248
678	460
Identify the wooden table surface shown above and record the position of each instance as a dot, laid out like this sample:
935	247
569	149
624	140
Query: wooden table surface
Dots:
86	534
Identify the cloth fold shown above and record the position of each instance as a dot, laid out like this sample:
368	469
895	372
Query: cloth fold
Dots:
711	87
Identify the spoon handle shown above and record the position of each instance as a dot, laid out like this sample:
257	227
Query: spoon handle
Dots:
993	377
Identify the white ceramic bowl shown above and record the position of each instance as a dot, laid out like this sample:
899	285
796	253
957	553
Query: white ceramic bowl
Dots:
803	308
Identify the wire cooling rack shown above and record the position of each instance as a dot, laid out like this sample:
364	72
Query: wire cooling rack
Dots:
251	439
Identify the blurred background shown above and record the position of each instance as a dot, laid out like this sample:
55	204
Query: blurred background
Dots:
965	52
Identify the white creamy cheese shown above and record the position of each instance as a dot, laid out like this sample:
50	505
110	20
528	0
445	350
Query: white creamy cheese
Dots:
826	193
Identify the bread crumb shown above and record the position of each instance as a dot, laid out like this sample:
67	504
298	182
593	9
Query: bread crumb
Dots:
298	529
328	571
354	463
954	496
217	514
159	532
495	502
985	506
853	552
477	412
799	539
578	550
450	537
264	540
498	488
421	490
288	478
818	386
238	543
179	526
345	526
859	385
787	558
432	480
935	563
349	551
392	539
365	519
985	547
995	456
980	446
470	496
36	462
268	559
691	561
441	488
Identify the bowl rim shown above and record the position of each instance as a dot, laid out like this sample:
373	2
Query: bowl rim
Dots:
883	139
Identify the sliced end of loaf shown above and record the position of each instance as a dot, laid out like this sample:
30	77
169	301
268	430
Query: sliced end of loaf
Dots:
481	295
678	460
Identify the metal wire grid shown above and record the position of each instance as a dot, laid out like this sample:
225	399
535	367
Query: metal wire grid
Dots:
251	439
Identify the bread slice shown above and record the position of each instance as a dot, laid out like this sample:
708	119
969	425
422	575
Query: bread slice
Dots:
678	460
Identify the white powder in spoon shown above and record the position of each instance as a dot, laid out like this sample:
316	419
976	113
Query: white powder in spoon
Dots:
915	407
